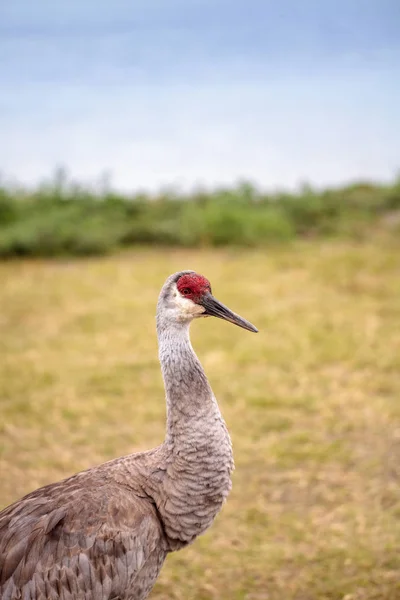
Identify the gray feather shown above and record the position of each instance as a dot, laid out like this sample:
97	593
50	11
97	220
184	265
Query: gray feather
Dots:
104	533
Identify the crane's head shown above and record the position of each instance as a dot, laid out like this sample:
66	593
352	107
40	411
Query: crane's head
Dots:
187	295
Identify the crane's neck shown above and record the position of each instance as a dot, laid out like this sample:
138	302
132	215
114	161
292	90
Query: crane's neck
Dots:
198	459
189	396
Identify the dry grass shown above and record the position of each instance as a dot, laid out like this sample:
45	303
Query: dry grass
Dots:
312	403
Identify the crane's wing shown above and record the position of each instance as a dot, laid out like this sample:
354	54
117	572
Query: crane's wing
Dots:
80	539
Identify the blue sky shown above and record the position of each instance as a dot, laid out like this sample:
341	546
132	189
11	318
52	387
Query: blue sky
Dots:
159	92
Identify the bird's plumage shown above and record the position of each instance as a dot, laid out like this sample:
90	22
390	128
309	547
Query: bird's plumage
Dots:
104	533
86	537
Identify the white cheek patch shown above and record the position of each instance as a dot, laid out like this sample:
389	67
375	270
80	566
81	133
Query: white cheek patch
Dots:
186	307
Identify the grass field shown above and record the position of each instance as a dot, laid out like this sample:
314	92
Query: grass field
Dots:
312	403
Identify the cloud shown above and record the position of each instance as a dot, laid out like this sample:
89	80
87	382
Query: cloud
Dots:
200	92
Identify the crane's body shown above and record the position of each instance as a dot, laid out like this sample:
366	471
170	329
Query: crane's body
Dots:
104	533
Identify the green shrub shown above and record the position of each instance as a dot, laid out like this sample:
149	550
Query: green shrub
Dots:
62	218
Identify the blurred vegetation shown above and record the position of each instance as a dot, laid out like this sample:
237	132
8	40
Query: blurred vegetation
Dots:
61	217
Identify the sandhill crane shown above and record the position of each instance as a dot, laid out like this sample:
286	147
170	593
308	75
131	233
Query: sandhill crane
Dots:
104	533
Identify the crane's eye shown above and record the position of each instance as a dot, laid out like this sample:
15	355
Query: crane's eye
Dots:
186	291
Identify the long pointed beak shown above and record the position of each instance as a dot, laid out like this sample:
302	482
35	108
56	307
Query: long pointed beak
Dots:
217	309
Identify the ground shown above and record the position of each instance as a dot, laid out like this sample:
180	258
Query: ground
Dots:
311	401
